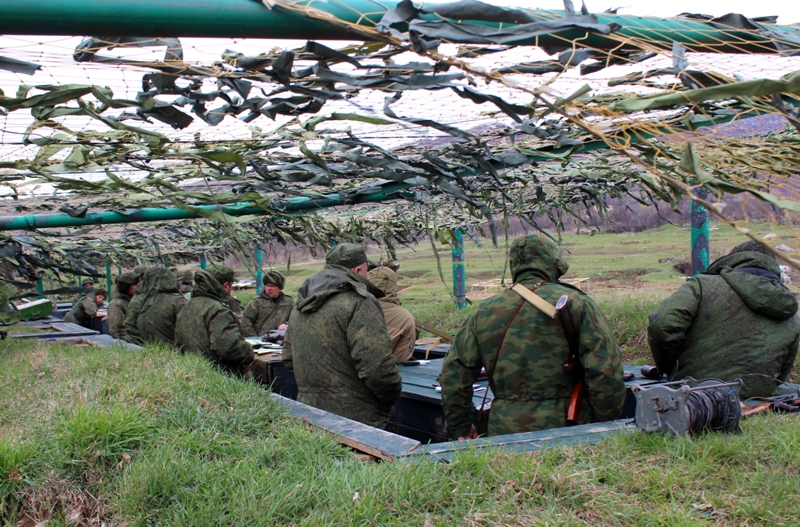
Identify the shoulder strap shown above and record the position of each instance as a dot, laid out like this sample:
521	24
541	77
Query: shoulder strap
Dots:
535	300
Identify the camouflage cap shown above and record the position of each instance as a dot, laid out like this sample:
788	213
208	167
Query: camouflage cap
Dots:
539	255
275	278
221	273
186	277
347	255
140	269
752	246
88	283
125	280
101	292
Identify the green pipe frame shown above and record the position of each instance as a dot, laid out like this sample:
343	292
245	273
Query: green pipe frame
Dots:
251	19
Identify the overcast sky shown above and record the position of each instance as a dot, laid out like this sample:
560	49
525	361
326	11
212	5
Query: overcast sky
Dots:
788	11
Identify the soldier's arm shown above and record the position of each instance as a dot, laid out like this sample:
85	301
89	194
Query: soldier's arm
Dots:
405	346
460	370
788	362
89	306
286	356
601	359
249	319
116	321
670	323
371	352
226	339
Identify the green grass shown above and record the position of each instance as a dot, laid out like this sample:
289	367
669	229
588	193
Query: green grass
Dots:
157	438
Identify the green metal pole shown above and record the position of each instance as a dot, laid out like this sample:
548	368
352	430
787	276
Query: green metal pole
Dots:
250	18
203	261
51	221
700	233
39	287
259	272
108	278
459	270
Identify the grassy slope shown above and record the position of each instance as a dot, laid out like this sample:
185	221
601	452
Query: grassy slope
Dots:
155	438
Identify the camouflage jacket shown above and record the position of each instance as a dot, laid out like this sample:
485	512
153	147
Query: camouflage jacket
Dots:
82	311
728	323
339	349
135	305
117	309
264	314
531	390
207	326
399	321
160	307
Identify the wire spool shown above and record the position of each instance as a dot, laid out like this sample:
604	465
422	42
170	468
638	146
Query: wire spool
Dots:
712	409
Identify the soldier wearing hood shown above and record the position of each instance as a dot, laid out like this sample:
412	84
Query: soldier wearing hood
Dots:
209	327
525	351
337	344
160	305
269	310
399	321
736	320
120	299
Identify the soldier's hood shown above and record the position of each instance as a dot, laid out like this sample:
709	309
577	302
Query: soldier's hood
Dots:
386	280
206	285
159	279
538	256
763	295
116	293
329	282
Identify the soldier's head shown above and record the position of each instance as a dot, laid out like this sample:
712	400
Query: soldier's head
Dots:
384	279
185	281
349	255
273	283
752	246
127	282
100	296
537	254
88	284
224	276
140	269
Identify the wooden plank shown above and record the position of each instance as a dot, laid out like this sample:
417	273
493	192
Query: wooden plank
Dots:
373	441
55	334
70	327
527	441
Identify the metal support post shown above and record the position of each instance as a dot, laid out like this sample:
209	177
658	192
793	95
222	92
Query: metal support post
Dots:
39	286
108	278
700	243
203	261
459	270
259	272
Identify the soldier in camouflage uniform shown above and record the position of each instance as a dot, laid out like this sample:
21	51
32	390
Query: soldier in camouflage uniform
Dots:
120	299
337	344
186	283
735	320
86	308
208	326
399	321
269	310
160	306
531	390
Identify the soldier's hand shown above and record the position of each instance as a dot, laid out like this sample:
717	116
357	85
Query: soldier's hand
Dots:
245	368
473	434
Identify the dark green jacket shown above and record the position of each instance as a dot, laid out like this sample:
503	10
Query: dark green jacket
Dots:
82	311
531	390
117	309
339	349
264	314
726	323
135	305
207	326
161	304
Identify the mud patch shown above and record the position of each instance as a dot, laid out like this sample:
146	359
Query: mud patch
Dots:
412	274
627	274
483	275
